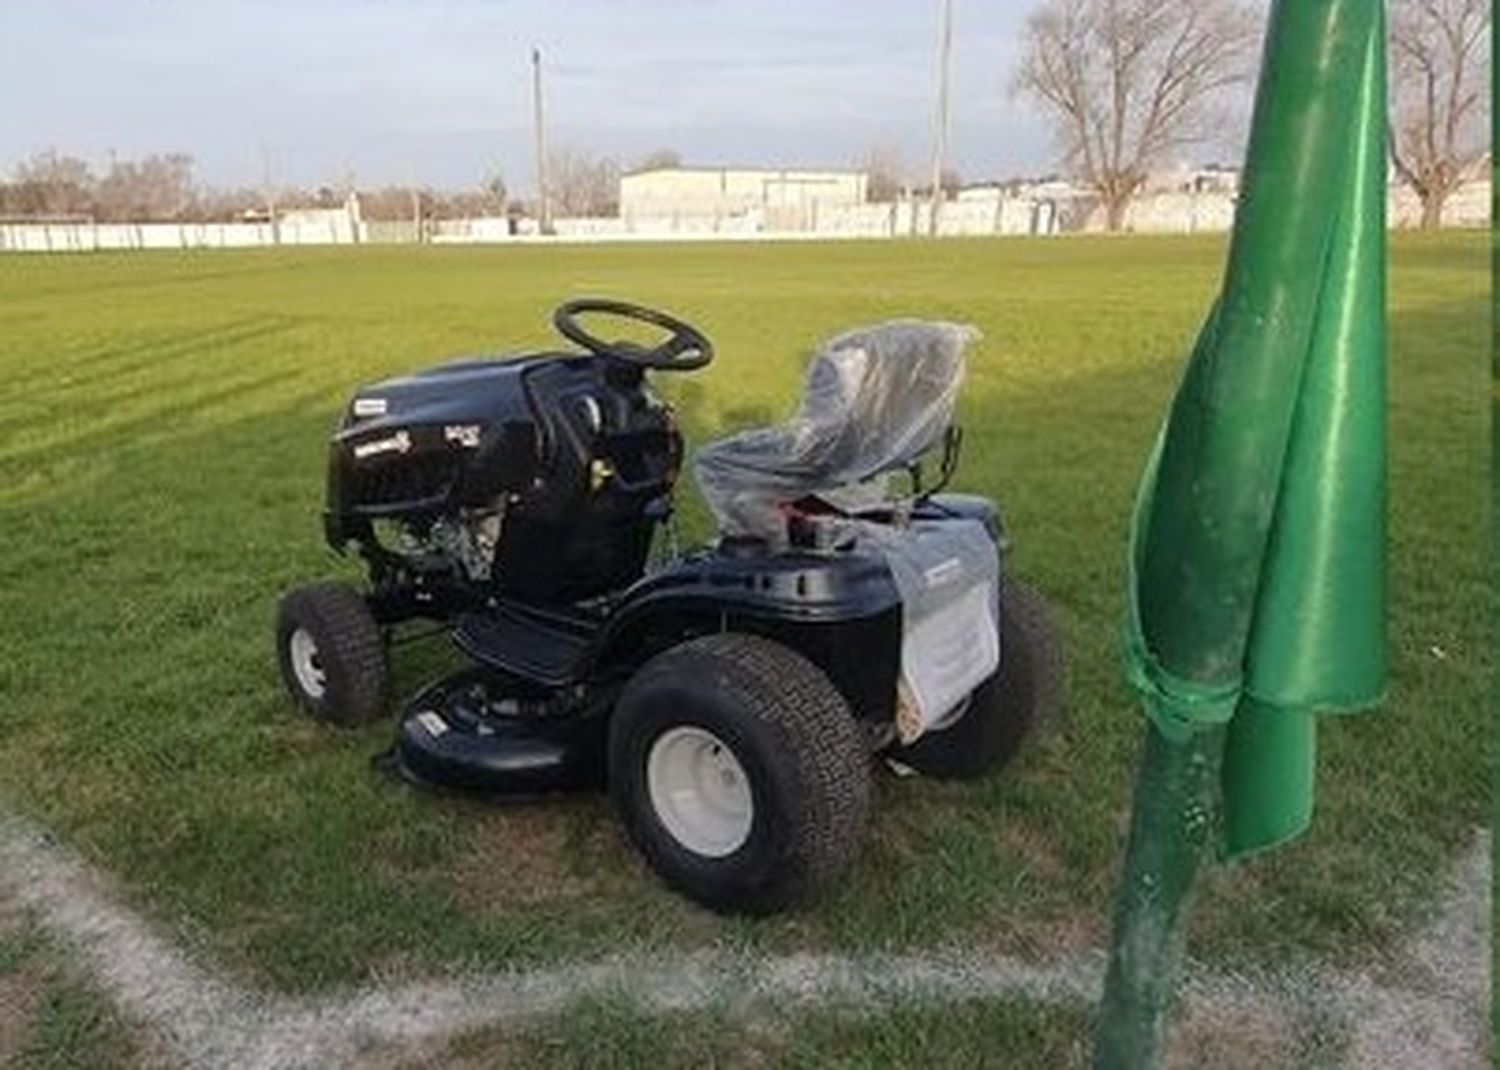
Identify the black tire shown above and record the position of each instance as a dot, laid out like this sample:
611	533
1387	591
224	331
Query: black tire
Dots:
1026	691
797	743
348	652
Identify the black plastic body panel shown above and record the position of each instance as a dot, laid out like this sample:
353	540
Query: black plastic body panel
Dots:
394	453
445	739
842	612
573	451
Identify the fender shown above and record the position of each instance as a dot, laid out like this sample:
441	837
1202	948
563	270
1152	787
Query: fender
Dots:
840	611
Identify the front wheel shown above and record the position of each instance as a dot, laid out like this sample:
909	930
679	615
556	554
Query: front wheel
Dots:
740	772
331	653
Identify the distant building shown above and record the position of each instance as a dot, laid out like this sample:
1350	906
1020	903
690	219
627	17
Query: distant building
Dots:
1187	178
1024	206
779	199
1035	189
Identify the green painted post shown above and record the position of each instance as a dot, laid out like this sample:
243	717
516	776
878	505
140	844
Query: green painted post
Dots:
1495	471
1257	558
1170	832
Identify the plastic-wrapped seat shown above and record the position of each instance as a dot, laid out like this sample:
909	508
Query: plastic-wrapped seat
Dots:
877	399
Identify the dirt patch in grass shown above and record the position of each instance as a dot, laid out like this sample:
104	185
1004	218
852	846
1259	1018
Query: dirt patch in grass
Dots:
48	1016
1230	1038
491	1049
20	996
524	856
1063	934
11	919
1038	854
20	985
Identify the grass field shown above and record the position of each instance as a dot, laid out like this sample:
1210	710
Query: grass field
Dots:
50	1018
161	468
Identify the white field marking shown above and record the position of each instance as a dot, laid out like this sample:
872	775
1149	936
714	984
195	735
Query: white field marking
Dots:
1426	1006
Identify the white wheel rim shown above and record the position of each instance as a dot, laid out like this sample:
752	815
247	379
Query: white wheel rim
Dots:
700	791
306	665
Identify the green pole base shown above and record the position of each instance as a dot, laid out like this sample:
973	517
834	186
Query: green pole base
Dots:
1171	829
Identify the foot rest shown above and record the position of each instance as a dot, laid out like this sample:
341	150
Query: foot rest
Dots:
546	647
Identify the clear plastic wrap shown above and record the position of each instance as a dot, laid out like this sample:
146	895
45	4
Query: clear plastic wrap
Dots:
877	398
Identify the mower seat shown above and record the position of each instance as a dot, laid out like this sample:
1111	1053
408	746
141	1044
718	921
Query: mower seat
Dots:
876	400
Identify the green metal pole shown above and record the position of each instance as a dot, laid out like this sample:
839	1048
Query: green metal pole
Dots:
1495	474
1170	832
1205	521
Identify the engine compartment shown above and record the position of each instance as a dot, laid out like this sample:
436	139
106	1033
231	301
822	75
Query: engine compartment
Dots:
539	477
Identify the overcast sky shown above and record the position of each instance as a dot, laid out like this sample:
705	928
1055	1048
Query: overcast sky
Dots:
438	91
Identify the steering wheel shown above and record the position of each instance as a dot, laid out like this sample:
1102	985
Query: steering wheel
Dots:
685	349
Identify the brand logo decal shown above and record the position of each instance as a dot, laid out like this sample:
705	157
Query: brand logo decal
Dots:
400	442
945	572
465	435
434	724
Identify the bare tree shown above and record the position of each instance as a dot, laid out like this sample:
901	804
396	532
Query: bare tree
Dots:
660	160
230	204
886	171
488	200
582	184
495	189
1440	70
161	187
393	204
1128	82
157	187
950	182
51	184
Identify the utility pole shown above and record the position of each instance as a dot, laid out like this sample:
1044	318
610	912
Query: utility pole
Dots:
944	108
544	206
270	193
351	203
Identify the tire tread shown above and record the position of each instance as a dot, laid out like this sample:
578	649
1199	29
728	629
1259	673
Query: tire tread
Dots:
814	728
356	658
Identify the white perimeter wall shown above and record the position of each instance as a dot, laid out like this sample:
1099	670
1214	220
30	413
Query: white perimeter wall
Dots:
795	198
979	212
90	237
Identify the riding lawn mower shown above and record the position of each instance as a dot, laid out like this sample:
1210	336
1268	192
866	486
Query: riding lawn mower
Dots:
734	699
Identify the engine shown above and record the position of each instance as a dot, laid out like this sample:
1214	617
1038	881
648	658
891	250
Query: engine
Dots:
541	478
464	545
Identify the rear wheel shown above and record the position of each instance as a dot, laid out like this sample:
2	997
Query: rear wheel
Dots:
1027	689
331	653
740	772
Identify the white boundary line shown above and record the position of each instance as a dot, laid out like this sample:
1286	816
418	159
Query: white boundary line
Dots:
1429	1007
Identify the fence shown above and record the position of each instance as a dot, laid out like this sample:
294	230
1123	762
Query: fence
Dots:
96	237
975	213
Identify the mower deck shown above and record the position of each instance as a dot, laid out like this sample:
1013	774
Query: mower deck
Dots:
471	733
